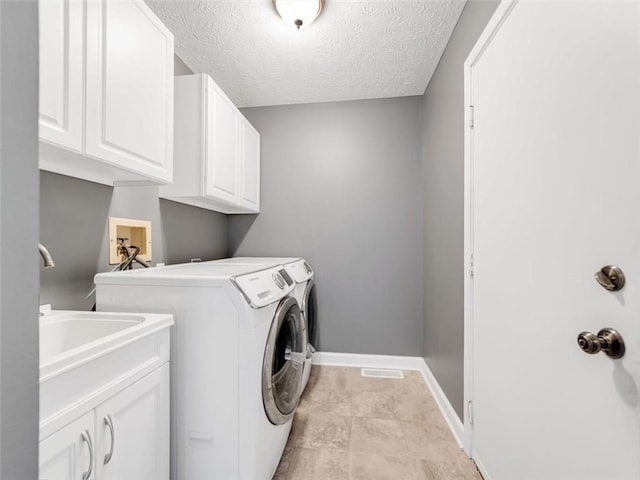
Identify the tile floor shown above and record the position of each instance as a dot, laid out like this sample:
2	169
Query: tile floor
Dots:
349	427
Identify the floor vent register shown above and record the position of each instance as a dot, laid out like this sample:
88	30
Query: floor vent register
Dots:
381	373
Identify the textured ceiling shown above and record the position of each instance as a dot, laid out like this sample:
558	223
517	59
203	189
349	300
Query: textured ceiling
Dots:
356	49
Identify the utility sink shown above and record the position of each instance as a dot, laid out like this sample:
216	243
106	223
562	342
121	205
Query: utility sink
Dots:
87	354
69	337
64	332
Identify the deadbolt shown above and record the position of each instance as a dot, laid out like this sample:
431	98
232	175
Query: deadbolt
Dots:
608	340
610	277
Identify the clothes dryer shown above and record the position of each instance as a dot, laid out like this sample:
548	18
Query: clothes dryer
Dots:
305	293
237	361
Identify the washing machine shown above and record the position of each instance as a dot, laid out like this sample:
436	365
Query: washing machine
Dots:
305	292
237	361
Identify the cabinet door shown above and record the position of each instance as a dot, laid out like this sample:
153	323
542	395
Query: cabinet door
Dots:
66	455
222	159
61	72
249	166
138	435
129	119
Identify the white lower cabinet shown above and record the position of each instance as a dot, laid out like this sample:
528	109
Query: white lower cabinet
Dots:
68	453
126	437
132	431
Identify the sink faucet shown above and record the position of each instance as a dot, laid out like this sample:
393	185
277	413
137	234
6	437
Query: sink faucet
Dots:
46	256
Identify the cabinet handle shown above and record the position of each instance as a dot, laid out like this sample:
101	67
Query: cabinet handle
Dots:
109	423
86	436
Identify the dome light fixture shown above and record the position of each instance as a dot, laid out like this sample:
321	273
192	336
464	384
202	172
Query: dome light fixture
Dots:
298	13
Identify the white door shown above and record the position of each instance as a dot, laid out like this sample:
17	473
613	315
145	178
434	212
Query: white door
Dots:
67	454
132	431
61	72
129	88
250	166
222	160
554	154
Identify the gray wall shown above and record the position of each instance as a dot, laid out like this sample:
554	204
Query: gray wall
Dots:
179	67
18	240
443	147
341	187
74	226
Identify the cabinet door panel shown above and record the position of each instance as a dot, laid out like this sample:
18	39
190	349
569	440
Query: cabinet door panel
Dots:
222	160
140	419
61	72
250	177
129	87
64	455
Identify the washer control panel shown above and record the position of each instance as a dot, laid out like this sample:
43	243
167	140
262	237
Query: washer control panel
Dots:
264	287
278	280
286	276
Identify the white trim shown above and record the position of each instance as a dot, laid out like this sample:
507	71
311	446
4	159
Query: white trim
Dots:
403	363
468	257
449	414
369	361
494	24
480	466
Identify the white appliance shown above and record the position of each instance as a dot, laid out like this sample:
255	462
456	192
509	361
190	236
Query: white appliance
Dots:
237	357
305	293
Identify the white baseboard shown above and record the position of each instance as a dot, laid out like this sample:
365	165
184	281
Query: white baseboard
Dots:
402	363
449	414
367	361
481	469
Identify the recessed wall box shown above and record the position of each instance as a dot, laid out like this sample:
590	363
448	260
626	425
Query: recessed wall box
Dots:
137	232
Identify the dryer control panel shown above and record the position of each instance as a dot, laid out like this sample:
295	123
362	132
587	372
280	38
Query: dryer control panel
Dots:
299	270
264	287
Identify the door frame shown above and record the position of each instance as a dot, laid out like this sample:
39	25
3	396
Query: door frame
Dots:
495	23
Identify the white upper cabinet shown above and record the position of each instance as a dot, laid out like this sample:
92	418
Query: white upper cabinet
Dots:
112	100
61	72
223	162
129	88
217	150
249	165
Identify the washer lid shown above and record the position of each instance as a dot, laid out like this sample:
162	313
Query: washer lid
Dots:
265	261
264	287
181	275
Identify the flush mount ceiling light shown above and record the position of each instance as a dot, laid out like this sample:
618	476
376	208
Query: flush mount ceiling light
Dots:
298	13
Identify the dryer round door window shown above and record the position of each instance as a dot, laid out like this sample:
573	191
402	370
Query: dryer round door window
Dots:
310	312
282	365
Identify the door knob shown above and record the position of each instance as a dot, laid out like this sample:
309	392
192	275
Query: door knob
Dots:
608	340
610	277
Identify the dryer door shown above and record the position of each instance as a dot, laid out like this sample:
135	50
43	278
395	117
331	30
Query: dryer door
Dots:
282	365
310	312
